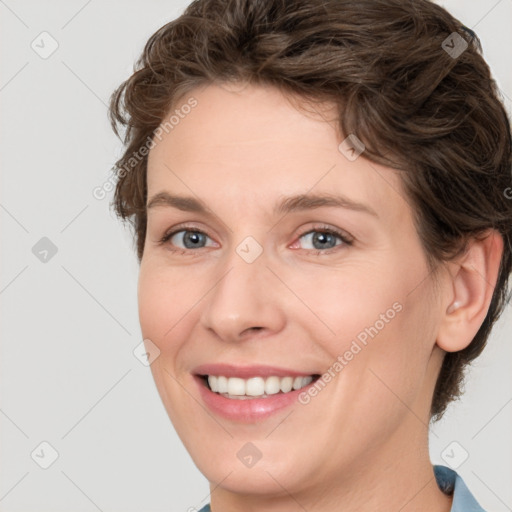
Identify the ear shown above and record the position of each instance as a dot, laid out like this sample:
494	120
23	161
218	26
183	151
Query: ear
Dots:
472	281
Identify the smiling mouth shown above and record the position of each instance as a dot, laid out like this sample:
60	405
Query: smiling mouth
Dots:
255	387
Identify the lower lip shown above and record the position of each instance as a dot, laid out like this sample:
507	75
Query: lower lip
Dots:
250	410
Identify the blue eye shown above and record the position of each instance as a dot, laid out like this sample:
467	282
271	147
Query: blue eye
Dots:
192	239
321	239
325	239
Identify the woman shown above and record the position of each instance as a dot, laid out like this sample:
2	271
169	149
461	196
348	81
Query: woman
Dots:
318	196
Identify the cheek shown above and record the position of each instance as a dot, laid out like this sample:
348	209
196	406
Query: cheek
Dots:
354	301
167	312
378	318
166	302
387	375
170	301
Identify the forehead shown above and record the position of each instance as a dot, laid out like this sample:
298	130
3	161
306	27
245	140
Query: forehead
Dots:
254	145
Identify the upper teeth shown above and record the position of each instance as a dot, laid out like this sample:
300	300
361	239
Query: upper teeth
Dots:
256	386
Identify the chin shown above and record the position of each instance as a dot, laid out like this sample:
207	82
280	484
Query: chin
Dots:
265	480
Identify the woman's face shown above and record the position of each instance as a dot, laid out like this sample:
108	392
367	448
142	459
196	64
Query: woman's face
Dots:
309	265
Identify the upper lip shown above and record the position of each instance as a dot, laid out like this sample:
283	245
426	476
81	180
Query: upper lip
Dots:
245	372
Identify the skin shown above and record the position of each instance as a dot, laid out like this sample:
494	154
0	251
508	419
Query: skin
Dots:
362	442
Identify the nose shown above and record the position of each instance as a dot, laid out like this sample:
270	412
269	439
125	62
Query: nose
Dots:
245	300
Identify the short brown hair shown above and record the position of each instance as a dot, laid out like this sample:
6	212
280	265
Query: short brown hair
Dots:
433	114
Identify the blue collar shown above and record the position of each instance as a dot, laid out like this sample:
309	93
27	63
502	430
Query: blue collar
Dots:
451	483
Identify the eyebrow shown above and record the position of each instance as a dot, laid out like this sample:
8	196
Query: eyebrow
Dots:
286	205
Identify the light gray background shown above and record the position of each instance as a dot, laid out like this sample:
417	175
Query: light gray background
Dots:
69	325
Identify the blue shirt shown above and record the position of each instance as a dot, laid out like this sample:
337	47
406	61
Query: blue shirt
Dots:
449	482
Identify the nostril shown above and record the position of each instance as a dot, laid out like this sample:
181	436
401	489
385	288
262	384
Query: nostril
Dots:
249	329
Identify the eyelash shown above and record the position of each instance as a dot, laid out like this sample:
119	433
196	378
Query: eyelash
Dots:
347	241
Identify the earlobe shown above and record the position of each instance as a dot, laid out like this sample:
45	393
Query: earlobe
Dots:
470	289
